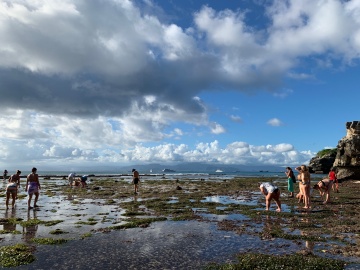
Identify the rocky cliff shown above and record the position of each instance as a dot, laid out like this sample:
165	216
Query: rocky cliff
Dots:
347	161
322	164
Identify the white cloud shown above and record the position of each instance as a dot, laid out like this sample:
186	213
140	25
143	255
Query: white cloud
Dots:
90	79
217	128
275	122
236	118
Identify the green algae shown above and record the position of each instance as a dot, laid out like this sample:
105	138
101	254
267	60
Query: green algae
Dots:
19	254
137	222
49	241
250	261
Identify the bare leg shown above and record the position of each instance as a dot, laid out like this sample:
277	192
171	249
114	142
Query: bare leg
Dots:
36	199
7	200
13	199
268	199
29	201
277	201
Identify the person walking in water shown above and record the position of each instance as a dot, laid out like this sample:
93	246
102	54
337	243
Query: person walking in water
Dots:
136	180
12	188
33	187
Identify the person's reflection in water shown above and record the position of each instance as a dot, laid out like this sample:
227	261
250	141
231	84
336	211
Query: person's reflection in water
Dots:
309	245
29	231
9	226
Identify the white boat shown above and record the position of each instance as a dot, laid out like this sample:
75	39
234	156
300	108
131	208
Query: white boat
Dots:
218	170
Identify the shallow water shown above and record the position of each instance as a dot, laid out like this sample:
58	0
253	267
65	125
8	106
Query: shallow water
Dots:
163	245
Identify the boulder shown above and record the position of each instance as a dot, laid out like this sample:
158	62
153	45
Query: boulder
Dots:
347	161
322	164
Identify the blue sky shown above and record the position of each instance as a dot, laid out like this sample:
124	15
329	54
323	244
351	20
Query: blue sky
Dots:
116	82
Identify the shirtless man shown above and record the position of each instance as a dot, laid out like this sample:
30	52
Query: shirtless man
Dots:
33	187
136	180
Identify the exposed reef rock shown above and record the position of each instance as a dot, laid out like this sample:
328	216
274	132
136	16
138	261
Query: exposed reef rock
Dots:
347	161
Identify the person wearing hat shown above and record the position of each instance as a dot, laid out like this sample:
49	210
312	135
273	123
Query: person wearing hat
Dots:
136	180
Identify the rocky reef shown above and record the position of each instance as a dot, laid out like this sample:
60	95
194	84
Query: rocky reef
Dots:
347	160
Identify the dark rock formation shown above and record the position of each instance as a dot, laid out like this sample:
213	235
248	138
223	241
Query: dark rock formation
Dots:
347	161
322	164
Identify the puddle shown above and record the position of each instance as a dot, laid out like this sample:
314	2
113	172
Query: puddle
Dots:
229	200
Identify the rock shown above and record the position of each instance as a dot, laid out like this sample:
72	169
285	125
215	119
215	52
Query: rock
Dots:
322	164
347	161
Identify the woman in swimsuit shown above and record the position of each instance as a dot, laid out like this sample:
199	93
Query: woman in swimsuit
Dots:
33	187
305	184
324	187
11	188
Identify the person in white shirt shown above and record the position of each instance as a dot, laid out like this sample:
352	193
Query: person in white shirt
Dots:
271	192
71	178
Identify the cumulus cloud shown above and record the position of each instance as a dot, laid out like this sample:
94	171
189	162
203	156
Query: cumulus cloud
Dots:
90	79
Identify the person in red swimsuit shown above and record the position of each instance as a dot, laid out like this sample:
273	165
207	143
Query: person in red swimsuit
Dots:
333	178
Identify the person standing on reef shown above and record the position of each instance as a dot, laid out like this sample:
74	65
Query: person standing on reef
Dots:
5	174
12	188
271	192
333	179
71	178
305	185
290	177
33	187
136	180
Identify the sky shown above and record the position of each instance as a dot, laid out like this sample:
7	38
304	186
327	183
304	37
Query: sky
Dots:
117	82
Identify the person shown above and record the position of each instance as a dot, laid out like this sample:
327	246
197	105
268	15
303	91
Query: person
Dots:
290	175
305	185
5	175
136	180
324	187
71	178
12	188
33	187
333	178
300	196
271	192
83	180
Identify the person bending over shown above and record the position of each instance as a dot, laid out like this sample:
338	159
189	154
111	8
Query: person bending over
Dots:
270	192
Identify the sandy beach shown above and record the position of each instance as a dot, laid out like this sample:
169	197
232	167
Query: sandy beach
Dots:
176	224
